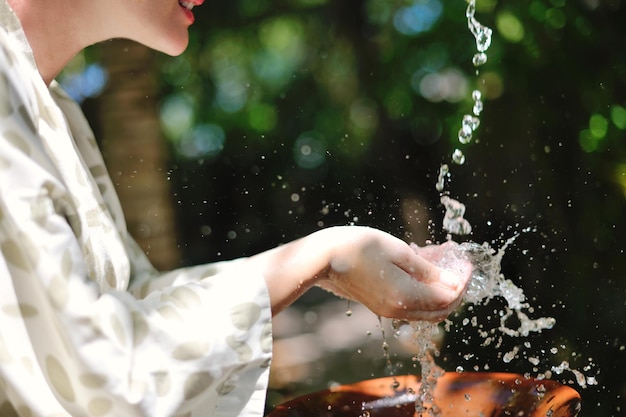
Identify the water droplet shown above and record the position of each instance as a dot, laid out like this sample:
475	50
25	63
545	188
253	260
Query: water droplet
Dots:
460	369
471	9
509	356
465	135
478	108
481	33
453	207
479	59
467	397
534	361
471	122
453	221
476	95
441	178
483	37
458	157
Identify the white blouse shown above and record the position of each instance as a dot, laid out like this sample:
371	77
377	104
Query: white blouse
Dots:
87	326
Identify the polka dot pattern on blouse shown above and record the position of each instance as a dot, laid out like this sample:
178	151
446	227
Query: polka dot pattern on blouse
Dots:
87	326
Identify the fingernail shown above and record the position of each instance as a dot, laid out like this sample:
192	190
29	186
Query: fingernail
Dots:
449	279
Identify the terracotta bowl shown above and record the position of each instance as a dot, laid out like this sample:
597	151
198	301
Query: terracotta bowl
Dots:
468	394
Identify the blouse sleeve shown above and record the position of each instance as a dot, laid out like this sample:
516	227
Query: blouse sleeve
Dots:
196	342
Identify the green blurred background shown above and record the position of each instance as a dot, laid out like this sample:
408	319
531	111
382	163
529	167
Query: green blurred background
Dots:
287	116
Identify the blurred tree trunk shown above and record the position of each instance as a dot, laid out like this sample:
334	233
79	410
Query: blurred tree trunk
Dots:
127	126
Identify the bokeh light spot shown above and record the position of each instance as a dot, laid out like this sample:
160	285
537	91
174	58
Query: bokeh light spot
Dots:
262	117
618	116
363	114
598	126
202	141
555	18
588	142
537	10
88	82
418	18
450	85
309	150
177	115
510	27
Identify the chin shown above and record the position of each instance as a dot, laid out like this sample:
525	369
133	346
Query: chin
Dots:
174	50
173	46
177	49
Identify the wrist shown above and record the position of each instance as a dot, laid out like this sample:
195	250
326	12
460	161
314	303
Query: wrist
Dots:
292	269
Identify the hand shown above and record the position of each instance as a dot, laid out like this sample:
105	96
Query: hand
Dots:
392	278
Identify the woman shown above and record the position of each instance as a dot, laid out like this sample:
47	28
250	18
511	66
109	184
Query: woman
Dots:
76	337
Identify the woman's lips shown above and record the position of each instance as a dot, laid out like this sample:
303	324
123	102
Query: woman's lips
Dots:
187	7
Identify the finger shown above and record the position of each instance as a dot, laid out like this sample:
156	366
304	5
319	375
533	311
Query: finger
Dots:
428	273
413	295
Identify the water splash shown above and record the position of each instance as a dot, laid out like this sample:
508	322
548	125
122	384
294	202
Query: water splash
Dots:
453	221
423	338
488	282
423	334
581	379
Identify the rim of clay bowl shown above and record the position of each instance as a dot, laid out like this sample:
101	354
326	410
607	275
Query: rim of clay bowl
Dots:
466	394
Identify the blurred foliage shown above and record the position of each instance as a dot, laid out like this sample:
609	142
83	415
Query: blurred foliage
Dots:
301	97
291	115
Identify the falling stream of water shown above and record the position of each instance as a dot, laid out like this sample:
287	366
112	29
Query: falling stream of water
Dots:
454	222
